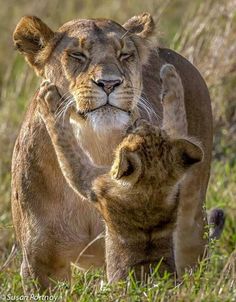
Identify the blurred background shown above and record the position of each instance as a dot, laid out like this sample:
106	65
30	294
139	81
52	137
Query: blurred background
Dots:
204	31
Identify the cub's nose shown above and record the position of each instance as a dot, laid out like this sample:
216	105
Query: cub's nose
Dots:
108	85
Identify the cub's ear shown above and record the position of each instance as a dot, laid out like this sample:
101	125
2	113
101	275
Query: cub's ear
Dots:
126	167
30	38
141	25
188	153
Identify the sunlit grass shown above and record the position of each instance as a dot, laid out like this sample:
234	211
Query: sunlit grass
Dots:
214	280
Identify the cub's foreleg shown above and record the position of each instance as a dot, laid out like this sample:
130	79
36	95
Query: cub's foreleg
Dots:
75	164
172	98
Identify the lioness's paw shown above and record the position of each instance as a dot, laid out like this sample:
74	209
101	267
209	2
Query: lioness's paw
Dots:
172	87
48	99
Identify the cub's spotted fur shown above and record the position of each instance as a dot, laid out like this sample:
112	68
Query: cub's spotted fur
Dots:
139	197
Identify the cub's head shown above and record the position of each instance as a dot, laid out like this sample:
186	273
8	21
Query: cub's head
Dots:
147	167
138	199
95	63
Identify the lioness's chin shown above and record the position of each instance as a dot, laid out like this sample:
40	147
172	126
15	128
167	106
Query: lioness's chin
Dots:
108	120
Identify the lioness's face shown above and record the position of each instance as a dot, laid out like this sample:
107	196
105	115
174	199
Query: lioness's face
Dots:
103	71
96	64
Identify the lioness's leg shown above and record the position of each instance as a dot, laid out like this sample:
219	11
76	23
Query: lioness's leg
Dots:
46	210
41	268
189	238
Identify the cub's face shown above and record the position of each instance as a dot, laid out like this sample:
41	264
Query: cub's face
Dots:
148	164
96	64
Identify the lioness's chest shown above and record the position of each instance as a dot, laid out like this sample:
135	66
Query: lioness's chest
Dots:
98	146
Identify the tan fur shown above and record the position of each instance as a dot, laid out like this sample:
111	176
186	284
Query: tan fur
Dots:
172	98
138	198
47	213
30	36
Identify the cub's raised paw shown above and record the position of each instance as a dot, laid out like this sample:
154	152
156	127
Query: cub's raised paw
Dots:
172	88
49	99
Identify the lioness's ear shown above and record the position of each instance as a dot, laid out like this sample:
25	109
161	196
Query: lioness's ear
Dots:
188	152
30	38
127	166
141	25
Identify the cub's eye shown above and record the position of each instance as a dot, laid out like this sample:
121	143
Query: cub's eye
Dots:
78	56
126	56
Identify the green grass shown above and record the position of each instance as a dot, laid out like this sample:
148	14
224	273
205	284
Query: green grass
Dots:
215	279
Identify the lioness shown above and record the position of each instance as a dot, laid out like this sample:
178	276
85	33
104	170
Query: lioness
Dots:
139	197
112	73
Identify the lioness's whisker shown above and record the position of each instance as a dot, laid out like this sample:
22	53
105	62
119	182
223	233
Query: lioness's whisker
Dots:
70	104
63	103
64	97
151	108
63	106
63	110
143	102
142	107
62	113
145	106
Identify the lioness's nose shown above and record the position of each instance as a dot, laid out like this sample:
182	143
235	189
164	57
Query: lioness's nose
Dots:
108	85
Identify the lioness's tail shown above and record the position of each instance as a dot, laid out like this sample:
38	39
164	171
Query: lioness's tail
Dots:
11	256
216	221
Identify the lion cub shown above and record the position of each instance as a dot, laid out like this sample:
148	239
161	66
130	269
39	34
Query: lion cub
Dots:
138	198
